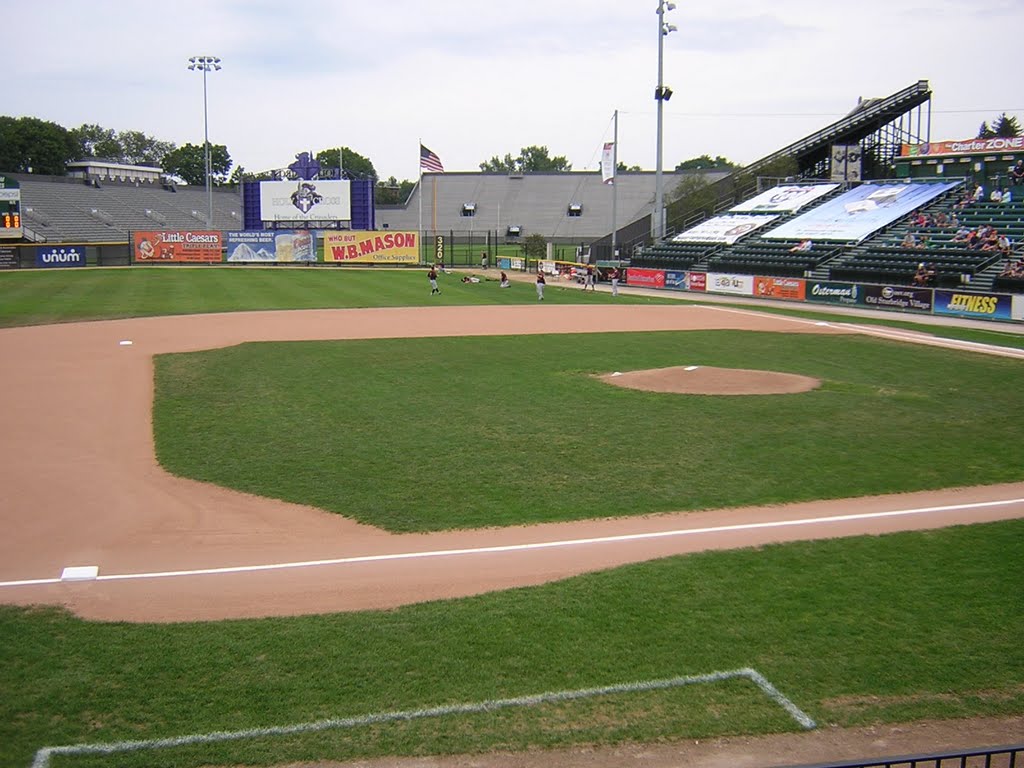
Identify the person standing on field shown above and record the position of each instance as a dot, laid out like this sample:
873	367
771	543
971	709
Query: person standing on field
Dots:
615	281
540	286
432	277
483	260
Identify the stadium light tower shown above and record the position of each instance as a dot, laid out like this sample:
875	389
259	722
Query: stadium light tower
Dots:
661	95
206	64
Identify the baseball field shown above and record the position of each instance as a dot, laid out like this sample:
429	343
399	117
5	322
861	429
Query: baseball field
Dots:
349	520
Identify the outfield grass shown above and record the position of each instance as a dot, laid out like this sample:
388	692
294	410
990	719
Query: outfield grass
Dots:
58	296
854	631
428	434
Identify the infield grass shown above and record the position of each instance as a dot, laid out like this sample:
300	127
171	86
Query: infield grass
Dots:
429	434
855	631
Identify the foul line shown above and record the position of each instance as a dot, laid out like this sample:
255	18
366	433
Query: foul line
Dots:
42	756
625	537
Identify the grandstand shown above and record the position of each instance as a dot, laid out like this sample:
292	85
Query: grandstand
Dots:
563	207
65	209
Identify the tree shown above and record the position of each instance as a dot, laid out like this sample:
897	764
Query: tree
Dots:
96	141
354	165
130	147
532	159
984	132
31	145
392	191
707	163
1006	127
139	149
189	164
622	168
536	246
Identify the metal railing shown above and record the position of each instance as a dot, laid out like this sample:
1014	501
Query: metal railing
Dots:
990	757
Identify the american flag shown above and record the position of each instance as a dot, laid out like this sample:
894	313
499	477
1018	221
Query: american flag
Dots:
429	161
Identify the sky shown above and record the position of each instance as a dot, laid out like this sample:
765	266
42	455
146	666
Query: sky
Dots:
475	80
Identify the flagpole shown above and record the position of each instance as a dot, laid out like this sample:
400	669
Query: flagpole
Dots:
615	170
419	160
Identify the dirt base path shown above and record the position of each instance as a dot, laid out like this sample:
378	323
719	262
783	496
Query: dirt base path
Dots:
81	487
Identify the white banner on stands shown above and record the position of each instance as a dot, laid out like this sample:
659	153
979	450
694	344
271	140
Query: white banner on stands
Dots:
723	229
786	198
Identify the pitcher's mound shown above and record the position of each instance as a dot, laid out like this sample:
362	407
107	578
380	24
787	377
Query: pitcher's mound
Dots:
706	380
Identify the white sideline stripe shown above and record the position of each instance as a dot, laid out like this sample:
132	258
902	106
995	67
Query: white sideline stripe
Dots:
526	547
42	756
887	332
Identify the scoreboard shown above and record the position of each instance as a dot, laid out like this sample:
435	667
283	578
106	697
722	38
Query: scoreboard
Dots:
10	209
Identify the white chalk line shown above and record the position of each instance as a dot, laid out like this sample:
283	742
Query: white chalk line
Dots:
43	755
914	337
618	538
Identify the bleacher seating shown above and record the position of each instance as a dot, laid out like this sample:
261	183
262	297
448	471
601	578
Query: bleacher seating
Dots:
774	258
885	258
60	209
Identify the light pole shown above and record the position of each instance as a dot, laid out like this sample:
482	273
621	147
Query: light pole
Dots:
206	64
661	95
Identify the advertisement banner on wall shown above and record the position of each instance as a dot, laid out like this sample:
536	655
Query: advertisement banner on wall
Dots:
645	278
359	247
720	282
857	213
832	293
785	198
987	306
176	246
675	280
271	245
723	229
964	147
1017	307
302	200
58	256
788	288
685	281
896	297
9	257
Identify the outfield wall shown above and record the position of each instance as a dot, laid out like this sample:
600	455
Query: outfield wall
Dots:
902	298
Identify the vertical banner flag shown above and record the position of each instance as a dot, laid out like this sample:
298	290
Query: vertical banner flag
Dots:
429	161
608	163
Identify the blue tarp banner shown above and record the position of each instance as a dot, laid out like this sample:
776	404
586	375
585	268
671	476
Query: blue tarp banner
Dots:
855	214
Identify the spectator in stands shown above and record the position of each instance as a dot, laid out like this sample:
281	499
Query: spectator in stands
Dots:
979	193
921	275
802	247
1013	268
996	196
961	235
1007	197
1017	174
1004	244
974	239
909	241
941	219
991	241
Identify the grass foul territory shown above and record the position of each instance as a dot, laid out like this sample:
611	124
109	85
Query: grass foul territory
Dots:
45	755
